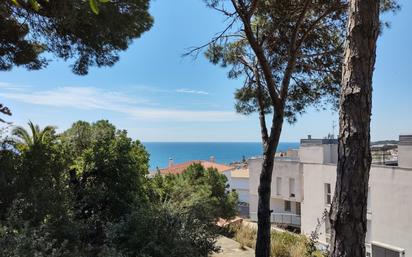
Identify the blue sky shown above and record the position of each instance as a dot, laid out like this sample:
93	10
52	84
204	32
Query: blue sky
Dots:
157	95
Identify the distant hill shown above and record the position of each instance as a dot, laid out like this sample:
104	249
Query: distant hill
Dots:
385	142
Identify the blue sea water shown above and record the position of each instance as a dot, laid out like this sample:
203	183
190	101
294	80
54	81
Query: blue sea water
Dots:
223	152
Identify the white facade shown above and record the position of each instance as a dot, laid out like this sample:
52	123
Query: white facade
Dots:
405	151
238	180
389	201
286	192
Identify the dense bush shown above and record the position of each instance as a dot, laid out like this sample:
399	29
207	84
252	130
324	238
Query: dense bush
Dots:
169	232
86	193
202	192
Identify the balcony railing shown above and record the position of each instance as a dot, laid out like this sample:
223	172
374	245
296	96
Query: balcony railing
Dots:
289	219
286	219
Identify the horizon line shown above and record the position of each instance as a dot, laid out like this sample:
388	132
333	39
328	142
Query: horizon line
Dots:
212	142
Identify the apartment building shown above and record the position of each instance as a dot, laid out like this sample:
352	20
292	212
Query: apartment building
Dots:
287	190
303	188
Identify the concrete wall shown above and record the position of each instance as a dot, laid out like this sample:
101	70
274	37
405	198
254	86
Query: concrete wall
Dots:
313	207
330	154
405	151
311	154
240	184
243	195
254	165
389	211
321	153
389	200
285	170
405	156
391	208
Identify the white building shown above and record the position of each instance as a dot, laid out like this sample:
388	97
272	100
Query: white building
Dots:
238	180
302	190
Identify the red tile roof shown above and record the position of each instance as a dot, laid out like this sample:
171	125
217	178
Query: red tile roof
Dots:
181	167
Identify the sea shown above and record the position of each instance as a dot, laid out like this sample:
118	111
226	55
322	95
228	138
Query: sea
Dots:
225	153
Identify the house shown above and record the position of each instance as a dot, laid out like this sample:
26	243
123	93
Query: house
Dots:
303	188
181	167
238	180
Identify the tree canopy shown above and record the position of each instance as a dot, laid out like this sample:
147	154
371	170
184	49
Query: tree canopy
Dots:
86	192
69	29
291	51
289	55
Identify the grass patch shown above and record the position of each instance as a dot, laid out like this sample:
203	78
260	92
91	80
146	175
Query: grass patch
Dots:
283	244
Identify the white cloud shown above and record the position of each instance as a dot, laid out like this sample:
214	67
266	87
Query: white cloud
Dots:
9	86
91	98
75	97
182	115
191	91
151	89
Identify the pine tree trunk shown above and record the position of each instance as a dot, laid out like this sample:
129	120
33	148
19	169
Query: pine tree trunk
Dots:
264	190
349	207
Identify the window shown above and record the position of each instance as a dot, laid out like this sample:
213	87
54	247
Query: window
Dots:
298	211
291	187
368	231
278	186
288	206
369	200
327	227
328	194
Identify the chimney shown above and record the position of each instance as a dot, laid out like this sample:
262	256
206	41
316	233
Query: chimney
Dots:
212	159
309	137
170	162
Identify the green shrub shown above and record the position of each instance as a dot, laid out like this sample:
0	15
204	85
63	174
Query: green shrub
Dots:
283	244
85	193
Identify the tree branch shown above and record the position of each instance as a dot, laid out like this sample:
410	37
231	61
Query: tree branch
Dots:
258	50
298	26
195	50
253	7
293	51
261	106
222	10
319	19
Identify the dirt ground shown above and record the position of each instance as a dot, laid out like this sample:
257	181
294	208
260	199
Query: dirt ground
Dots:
231	248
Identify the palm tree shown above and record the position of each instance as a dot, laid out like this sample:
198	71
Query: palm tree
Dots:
37	136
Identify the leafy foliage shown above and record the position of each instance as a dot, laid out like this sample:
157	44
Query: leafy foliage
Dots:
171	232
4	110
289	55
38	136
203	192
302	44
316	72
69	30
86	192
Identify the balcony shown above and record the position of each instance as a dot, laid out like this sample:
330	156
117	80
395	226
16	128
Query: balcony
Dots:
288	219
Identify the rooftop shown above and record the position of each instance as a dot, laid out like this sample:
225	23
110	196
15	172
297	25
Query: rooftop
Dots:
405	140
240	173
324	141
181	167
